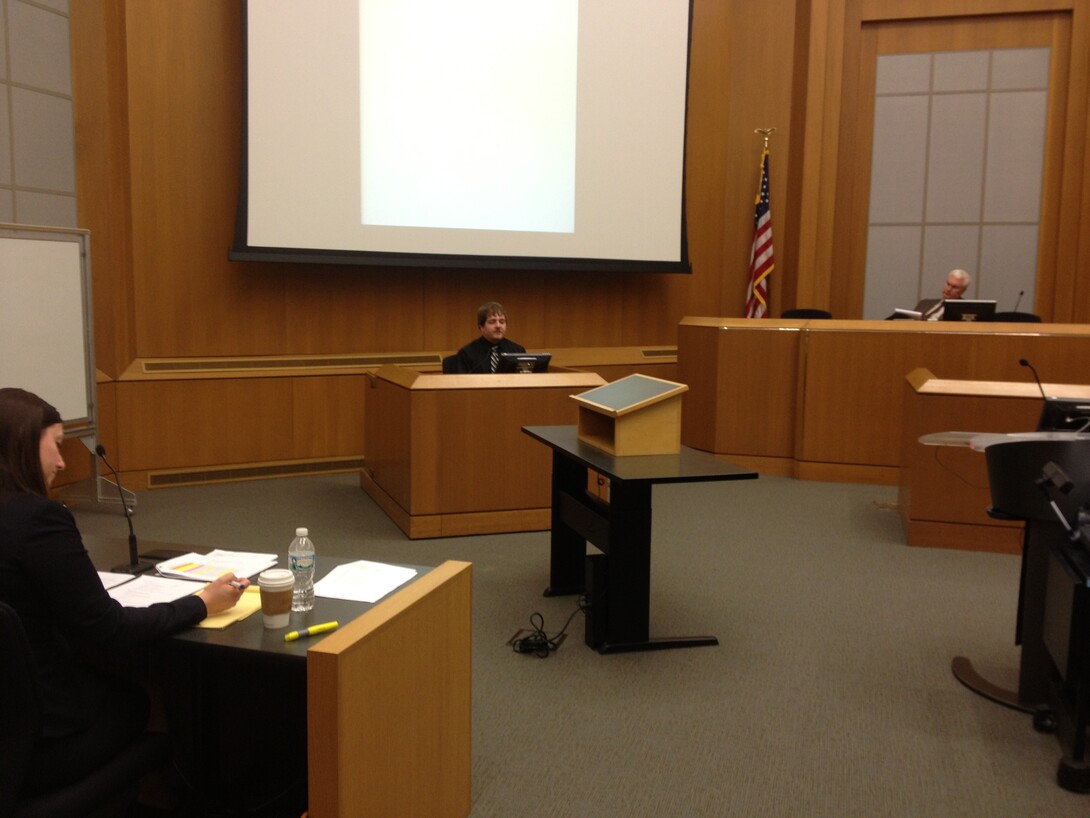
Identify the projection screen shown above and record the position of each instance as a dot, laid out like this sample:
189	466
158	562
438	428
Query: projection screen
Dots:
482	133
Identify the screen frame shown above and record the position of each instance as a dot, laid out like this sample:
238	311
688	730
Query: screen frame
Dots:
241	250
980	309
511	362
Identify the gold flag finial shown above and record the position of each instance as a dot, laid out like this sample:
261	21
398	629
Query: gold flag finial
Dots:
765	132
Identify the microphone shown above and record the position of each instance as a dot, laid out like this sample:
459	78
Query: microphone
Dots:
134	566
1019	301
1025	363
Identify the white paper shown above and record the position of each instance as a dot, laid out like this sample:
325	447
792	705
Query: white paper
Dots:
111	579
362	581
146	590
214	564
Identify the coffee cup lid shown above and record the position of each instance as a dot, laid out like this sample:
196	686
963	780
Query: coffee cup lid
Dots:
275	577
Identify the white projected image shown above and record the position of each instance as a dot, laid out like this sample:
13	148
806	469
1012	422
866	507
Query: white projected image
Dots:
500	132
480	131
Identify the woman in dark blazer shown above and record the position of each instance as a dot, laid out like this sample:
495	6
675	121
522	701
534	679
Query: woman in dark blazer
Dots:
46	575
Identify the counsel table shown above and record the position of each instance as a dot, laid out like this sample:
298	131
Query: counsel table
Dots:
621	529
387	715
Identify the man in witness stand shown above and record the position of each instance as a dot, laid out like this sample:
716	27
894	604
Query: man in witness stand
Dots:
482	355
957	282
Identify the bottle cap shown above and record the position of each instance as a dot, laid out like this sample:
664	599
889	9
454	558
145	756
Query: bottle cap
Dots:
300	532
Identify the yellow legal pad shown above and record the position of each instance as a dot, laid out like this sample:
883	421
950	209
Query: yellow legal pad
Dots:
249	602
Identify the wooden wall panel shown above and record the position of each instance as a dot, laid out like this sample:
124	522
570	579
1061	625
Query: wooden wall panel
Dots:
326	415
102	172
178	424
157	95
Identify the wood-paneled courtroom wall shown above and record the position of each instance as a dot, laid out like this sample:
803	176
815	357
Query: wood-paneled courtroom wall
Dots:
210	369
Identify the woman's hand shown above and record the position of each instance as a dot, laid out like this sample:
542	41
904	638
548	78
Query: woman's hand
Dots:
222	594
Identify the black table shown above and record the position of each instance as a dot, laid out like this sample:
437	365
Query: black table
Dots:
617	581
220	687
249	634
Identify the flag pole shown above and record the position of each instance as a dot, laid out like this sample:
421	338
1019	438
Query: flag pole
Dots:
761	257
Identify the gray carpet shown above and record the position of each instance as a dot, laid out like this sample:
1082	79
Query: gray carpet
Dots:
830	693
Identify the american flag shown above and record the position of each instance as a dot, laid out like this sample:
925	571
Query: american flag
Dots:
761	259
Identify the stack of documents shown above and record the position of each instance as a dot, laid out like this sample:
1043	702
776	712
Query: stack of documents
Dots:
143	590
207	567
182	576
362	581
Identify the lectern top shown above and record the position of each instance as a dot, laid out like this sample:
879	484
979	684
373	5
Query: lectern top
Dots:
628	394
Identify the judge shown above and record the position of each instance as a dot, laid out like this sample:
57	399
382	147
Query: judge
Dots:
957	282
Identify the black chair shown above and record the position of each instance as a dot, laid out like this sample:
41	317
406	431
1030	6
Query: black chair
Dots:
806	312
1017	317
450	365
107	791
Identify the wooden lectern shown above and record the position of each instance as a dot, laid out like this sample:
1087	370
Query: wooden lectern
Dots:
943	493
632	416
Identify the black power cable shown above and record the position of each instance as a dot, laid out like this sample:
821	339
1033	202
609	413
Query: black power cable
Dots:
537	642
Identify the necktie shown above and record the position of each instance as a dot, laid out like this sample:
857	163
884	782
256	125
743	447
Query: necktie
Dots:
494	358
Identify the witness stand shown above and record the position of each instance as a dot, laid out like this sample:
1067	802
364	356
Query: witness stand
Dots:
444	454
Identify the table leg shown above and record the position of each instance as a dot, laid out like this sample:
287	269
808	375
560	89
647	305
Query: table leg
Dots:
567	548
628	575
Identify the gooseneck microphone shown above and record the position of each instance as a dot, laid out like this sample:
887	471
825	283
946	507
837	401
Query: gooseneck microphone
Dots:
1019	301
1025	363
134	566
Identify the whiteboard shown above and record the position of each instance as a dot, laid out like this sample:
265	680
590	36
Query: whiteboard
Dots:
46	341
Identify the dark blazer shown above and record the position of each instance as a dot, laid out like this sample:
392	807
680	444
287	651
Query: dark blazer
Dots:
46	575
475	357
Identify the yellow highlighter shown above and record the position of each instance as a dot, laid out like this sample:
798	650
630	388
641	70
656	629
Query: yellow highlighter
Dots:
313	630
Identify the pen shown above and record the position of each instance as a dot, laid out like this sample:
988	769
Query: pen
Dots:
236	584
313	630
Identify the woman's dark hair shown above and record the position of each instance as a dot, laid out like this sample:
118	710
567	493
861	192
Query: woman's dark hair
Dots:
23	417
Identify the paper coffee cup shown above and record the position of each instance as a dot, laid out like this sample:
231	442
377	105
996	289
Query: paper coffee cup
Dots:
276	586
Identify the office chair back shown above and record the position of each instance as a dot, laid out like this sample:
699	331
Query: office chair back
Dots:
450	365
20	726
806	312
1017	317
19	708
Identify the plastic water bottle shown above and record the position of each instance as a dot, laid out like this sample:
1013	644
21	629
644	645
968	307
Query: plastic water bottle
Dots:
301	561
